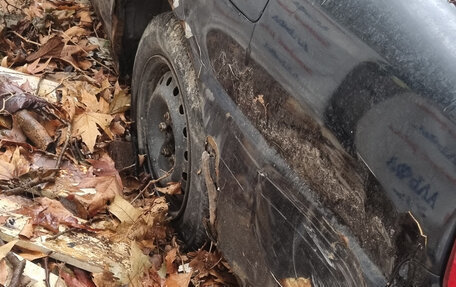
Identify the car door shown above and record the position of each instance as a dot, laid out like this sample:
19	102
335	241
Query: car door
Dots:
367	84
251	9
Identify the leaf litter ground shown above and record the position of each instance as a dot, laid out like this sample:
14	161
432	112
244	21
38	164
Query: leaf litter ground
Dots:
70	215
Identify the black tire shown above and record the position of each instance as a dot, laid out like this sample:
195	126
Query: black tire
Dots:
164	51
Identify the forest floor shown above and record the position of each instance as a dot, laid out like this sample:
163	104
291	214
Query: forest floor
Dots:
74	210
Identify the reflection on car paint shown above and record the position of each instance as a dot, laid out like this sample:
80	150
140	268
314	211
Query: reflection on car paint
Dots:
448	152
281	61
290	31
415	182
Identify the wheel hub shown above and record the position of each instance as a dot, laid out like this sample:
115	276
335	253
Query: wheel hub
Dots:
167	141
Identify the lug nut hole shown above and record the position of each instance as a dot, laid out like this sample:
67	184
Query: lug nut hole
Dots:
181	110
169	81
176	91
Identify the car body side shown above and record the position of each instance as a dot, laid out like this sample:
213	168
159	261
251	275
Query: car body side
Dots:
335	128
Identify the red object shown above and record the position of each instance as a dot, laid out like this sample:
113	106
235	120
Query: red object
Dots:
450	274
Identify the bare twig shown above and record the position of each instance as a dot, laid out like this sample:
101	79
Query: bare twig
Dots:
151	182
46	270
53	237
25	39
65	146
9	4
28	187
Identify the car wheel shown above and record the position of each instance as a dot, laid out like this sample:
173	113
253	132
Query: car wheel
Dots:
166	107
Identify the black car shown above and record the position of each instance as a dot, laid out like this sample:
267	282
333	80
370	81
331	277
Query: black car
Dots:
312	139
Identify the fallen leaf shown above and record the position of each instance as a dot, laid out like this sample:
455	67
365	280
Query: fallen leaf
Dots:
52	48
31	255
105	279
169	260
76	279
4	63
35	68
123	210
139	264
84	17
117	128
121	101
3	219
86	125
104	166
89	100
178	280
6	170
27	230
76	31
171	188
21	164
204	261
296	282
107	188
50	214
4	271
5	248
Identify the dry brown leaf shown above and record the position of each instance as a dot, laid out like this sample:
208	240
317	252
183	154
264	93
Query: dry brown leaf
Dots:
171	188
85	126
4	63
4	249
178	280
76	31
84	64
3	219
27	230
139	264
52	48
79	278
4	271
6	170
35	68
107	188
50	213
31	255
90	101
6	122
169	261
105	166
69	105
20	163
105	279
103	105
204	261
117	128
121	101
123	210
85	18
296	282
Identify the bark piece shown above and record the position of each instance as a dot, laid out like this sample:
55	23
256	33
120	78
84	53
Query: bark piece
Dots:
33	129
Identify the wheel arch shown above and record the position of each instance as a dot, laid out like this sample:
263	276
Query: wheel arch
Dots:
124	22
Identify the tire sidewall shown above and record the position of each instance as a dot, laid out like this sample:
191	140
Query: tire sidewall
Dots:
164	37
